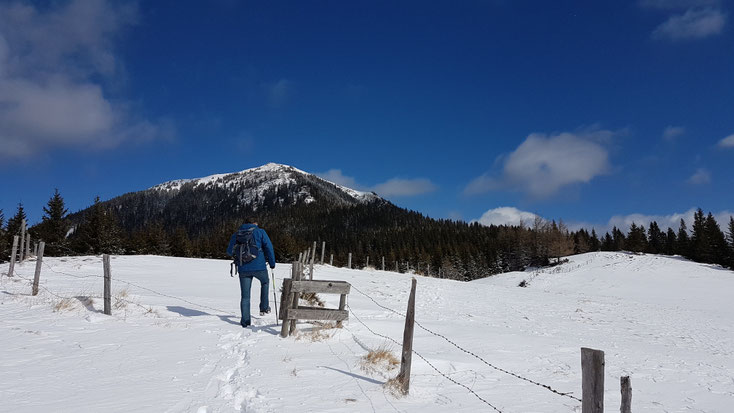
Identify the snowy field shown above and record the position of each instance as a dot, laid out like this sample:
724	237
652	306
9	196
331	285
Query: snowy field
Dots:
174	343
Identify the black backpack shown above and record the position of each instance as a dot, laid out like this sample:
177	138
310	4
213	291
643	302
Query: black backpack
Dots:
245	249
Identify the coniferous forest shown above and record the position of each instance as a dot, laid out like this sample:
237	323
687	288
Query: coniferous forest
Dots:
197	222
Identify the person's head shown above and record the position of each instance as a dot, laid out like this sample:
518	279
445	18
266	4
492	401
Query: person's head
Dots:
251	220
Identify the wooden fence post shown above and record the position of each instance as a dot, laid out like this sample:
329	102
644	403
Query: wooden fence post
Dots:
428	271
28	246
39	261
286	300
397	269
35	249
342	305
313	258
349	263
300	256
22	241
107	284
405	361
323	250
592	380
12	256
383	263
331	260
368	261
298	276
624	382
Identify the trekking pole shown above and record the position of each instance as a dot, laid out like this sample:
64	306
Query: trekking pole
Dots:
275	302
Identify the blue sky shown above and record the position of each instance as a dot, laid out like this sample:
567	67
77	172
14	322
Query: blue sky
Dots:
586	111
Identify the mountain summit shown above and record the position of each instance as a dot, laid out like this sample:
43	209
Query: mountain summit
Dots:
253	186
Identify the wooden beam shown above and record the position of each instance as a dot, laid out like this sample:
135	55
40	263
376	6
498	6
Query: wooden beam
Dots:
316	314
329	287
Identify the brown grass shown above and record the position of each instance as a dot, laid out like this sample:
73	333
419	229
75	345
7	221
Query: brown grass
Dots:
319	332
380	356
121	299
394	387
64	304
312	299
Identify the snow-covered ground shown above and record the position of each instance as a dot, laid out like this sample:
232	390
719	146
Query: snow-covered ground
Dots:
176	345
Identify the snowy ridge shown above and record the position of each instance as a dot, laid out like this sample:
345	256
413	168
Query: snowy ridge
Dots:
176	345
258	181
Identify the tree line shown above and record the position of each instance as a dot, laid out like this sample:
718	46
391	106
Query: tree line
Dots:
135	224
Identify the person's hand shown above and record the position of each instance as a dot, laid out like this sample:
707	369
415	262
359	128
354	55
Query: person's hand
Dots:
272	267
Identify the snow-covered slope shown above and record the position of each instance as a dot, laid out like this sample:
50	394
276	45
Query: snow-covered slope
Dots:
255	182
173	344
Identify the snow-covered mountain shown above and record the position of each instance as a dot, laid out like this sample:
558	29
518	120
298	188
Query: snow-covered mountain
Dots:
253	185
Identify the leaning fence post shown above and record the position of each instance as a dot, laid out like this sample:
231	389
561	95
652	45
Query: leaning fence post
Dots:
592	380
323	249
405	361
21	257
107	285
12	256
624	382
39	260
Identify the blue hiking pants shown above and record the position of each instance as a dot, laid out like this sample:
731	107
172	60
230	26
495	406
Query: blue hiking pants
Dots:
245	284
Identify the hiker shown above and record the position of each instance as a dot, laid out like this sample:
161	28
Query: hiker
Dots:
251	247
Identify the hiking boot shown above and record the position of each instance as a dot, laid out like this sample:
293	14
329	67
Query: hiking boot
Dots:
262	313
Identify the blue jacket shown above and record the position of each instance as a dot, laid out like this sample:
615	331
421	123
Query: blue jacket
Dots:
266	250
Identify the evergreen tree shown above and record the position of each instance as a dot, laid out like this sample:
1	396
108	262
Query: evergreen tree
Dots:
670	242
55	226
731	242
683	244
4	251
717	241
15	223
607	243
594	243
636	239
700	248
99	233
655	239
180	244
619	239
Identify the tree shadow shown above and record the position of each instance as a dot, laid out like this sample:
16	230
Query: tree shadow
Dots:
356	376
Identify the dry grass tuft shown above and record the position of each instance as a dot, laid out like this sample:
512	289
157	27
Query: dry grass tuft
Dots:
380	359
394	387
64	304
319	332
312	299
121	299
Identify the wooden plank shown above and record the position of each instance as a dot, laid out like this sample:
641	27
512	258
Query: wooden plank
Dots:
39	262
407	356
107	285
12	256
592	381
321	286
626	387
342	306
316	314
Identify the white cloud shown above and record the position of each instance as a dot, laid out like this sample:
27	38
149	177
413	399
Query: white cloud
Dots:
677	4
336	176
278	93
672	132
542	164
700	177
404	187
693	24
623	222
507	216
54	63
727	142
395	187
